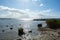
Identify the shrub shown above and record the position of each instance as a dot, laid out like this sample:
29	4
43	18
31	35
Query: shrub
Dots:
53	23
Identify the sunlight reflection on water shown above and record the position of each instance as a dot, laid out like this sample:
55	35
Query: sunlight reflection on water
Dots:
27	26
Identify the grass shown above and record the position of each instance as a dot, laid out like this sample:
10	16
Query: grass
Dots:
53	23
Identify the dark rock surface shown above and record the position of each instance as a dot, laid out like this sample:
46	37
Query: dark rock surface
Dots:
20	31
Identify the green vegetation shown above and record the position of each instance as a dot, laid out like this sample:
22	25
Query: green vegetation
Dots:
53	23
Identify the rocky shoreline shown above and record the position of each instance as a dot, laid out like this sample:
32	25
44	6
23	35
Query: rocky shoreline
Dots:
50	32
50	35
45	34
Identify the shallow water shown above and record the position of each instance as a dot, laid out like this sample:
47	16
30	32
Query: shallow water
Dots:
32	25
26	25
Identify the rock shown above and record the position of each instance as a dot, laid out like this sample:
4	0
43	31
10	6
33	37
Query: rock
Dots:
46	29
39	25
11	28
3	30
20	31
19	39
58	32
49	35
30	31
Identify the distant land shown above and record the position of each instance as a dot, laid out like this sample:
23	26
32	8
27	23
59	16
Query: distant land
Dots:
32	20
45	19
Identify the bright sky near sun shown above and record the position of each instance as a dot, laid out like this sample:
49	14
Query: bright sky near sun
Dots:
29	9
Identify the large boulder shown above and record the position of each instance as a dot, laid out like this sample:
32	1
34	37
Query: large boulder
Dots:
20	31
39	25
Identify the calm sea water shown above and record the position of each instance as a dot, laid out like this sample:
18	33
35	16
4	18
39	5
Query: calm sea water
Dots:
32	25
26	25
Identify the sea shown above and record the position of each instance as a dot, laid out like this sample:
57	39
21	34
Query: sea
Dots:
28	25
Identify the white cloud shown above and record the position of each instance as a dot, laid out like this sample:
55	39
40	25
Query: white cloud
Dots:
10	9
41	5
37	3
27	13
34	0
23	1
26	0
49	13
47	10
16	13
12	12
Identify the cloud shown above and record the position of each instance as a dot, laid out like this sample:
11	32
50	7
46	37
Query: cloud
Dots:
23	1
10	9
16	13
6	12
26	0
34	0
49	13
37	3
12	12
41	5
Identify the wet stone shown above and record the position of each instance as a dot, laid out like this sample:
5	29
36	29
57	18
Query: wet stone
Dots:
19	39
3	30
59	36
58	32
20	31
30	31
29	39
39	25
11	28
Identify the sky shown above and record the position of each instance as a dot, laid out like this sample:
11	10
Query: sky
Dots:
29	9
